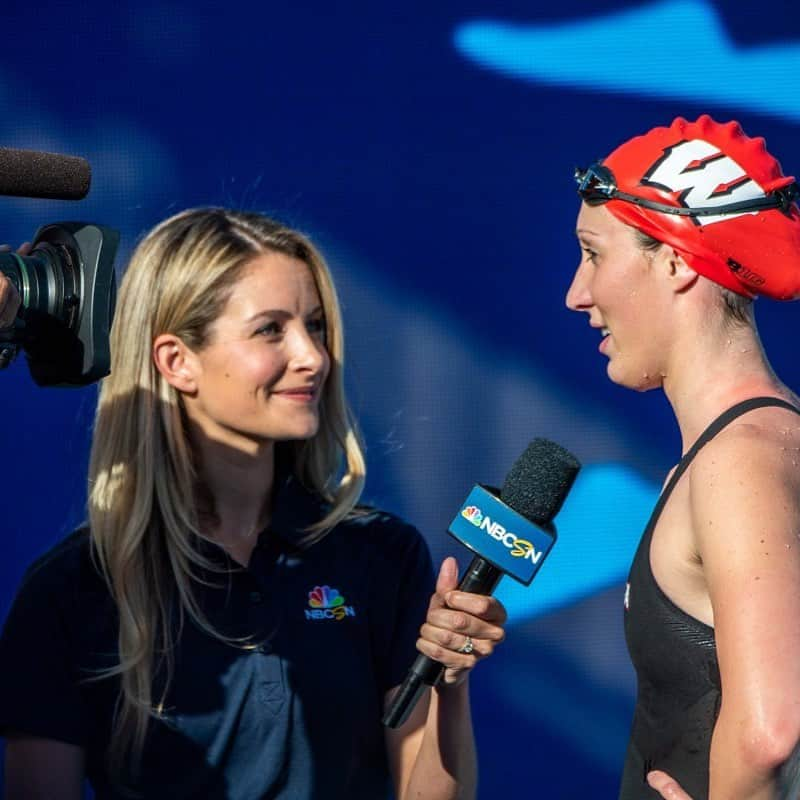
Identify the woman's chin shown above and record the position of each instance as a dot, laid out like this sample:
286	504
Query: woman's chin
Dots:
299	433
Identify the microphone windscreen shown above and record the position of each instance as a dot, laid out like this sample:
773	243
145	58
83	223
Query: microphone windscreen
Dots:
538	483
30	173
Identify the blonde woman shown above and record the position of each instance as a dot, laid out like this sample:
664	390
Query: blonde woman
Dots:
229	624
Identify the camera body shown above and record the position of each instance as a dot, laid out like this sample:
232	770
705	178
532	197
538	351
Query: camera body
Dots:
68	291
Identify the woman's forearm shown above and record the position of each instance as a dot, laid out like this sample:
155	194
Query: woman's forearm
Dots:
446	764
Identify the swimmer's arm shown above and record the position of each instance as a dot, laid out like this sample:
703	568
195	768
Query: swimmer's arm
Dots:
745	504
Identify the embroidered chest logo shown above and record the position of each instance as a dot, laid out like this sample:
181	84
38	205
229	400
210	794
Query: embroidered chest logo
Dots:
326	603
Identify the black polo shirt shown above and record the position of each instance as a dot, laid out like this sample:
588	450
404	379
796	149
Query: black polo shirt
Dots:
297	716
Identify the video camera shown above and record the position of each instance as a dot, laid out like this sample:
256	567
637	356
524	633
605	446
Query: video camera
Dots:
66	281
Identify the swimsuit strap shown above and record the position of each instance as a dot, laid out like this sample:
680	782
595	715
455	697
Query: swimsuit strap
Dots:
710	432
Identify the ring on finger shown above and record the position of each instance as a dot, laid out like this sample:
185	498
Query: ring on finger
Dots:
467	648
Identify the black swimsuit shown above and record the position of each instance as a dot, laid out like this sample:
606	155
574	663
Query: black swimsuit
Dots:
675	658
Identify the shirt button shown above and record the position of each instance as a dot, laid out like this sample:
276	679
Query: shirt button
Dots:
255	597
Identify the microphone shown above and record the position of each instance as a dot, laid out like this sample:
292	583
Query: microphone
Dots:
30	173
510	535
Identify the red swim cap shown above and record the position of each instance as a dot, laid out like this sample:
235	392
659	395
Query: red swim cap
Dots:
701	164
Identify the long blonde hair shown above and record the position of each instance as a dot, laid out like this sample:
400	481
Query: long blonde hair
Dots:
143	480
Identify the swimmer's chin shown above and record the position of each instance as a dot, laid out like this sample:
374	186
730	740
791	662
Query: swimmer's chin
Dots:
643	382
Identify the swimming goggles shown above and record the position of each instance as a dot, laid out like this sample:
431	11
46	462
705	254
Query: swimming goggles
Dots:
597	184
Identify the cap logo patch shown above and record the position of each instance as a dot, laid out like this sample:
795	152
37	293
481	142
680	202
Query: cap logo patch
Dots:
700	174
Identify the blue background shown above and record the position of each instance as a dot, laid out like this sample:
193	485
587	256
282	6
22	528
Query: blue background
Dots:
428	149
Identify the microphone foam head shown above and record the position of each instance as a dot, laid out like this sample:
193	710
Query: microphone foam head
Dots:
31	173
538	483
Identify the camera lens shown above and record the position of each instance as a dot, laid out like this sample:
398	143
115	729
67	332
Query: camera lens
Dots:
68	292
46	280
10	268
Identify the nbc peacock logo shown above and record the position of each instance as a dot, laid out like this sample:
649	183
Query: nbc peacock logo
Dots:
327	603
473	514
517	548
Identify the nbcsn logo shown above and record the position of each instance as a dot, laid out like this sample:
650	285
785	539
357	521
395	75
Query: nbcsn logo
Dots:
327	603
518	548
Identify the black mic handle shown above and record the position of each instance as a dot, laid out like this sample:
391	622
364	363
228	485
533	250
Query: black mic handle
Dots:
424	672
481	577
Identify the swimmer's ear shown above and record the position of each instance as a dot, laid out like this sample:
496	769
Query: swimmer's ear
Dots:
680	275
